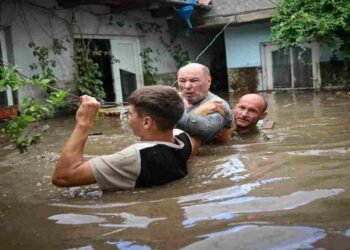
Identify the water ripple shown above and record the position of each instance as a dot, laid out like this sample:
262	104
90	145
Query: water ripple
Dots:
76	219
233	167
128	245
261	237
320	152
130	220
210	211
229	192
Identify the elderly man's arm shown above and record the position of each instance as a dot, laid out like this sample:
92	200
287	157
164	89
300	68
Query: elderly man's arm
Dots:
71	169
203	127
210	107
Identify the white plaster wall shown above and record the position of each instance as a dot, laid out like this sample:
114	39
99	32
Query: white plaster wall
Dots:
30	23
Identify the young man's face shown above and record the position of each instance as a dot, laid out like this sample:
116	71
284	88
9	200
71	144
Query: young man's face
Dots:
135	122
193	83
248	111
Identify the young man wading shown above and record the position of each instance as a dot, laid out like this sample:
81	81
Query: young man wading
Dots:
159	158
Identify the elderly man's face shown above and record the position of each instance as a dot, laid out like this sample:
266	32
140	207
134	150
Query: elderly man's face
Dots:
193	83
248	111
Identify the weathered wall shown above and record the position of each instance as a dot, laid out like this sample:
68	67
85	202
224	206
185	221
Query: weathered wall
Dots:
32	23
243	44
243	80
243	54
335	74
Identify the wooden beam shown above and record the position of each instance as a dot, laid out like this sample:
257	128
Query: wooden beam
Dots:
217	21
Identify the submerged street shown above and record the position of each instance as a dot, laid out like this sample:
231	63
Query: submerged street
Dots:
287	187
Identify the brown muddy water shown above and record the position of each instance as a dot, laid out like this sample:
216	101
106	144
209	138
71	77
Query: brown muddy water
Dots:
285	189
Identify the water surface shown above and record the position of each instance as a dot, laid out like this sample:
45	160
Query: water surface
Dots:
287	188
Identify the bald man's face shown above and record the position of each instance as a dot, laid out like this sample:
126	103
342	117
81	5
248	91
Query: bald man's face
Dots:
248	111
193	83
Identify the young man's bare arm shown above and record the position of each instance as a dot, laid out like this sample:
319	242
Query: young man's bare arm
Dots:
71	169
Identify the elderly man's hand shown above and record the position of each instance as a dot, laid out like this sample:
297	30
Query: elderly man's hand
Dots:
224	135
210	107
85	115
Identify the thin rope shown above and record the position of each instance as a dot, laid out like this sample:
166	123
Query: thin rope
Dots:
217	35
210	44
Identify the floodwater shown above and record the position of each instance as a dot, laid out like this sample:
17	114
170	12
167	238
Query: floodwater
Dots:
287	188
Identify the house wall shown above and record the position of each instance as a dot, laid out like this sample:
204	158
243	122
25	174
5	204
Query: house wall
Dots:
243	55
335	72
244	63
32	23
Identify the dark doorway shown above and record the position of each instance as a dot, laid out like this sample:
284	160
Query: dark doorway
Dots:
3	95
104	61
218	66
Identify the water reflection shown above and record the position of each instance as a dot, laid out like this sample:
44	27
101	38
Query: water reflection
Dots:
252	192
260	237
89	247
76	219
130	220
321	152
229	192
94	206
127	245
347	232
234	167
250	204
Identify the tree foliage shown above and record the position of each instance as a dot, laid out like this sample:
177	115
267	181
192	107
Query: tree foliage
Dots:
86	72
325	21
24	129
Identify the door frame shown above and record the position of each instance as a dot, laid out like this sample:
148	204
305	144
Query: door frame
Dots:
267	69
117	84
138	65
3	45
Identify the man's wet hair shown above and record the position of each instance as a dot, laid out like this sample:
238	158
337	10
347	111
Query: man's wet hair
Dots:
162	103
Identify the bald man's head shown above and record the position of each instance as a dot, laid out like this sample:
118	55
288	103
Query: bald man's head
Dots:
248	111
195	66
258	100
194	82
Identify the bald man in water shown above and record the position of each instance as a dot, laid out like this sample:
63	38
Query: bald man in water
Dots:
247	112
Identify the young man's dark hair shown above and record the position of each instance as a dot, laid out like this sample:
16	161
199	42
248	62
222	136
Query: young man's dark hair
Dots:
160	102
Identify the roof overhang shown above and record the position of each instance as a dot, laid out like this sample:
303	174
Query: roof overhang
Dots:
125	5
235	18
